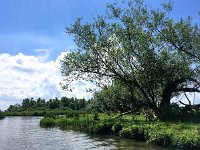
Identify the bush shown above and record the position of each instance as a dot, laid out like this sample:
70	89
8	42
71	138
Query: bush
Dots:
171	113
117	127
135	132
104	127
50	115
186	140
47	122
160	137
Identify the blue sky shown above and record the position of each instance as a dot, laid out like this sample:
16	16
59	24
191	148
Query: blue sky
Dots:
26	25
32	40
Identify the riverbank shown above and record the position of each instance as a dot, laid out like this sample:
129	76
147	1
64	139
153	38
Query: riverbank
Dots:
1	115
176	135
25	133
43	112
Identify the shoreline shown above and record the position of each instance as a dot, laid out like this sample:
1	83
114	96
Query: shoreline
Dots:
176	135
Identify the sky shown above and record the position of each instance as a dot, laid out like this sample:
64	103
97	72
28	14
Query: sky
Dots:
33	40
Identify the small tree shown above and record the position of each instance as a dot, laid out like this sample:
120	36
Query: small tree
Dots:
114	98
154	56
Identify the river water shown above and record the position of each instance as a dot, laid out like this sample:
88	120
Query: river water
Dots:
24	133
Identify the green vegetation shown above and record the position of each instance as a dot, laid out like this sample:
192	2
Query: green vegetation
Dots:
40	107
45	112
1	114
142	59
154	57
179	135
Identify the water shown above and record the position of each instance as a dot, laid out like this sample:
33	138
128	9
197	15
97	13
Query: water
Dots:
24	133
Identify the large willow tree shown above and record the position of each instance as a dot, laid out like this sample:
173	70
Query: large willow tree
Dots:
155	56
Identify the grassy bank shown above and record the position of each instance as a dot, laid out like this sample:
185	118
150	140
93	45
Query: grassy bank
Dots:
179	135
44	112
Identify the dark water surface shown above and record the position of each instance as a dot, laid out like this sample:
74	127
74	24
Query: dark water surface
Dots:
24	133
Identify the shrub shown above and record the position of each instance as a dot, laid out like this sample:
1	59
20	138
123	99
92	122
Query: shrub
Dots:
135	132
117	127
171	113
186	140
160	137
50	115
103	126
47	122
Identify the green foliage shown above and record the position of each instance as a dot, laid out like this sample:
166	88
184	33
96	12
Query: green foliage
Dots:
172	135
2	115
186	140
47	122
155	57
175	113
45	112
40	107
171	112
114	98
117	127
135	132
103	127
160	137
26	113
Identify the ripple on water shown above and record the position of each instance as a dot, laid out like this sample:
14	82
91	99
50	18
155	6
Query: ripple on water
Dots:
24	133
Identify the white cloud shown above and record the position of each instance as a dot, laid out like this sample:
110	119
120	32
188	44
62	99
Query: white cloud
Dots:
24	76
193	97
43	54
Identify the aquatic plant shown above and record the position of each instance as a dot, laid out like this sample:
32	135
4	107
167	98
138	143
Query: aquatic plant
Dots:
181	135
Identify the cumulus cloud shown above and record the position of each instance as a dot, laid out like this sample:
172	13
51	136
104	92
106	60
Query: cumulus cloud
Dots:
23	76
43	54
33	76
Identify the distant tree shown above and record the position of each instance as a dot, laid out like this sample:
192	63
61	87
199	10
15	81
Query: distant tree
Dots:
40	102
65	102
152	54
26	103
53	103
15	107
82	103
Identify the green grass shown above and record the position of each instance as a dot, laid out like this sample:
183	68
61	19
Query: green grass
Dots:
45	112
175	135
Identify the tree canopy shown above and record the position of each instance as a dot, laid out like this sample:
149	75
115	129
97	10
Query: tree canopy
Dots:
53	103
154	56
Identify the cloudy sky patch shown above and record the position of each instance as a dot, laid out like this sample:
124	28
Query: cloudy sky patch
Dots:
33	39
30	76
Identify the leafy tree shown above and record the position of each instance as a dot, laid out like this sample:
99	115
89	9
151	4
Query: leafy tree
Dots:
40	102
81	103
65	102
15	107
28	103
114	98
152	54
53	103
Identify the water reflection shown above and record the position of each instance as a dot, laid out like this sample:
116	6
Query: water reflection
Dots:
24	133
